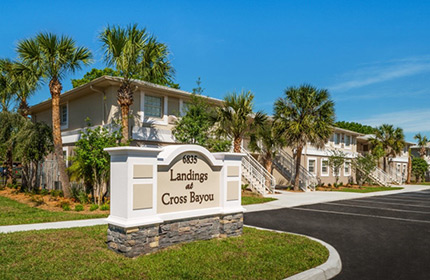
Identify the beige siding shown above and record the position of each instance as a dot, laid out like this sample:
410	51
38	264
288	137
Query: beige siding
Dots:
90	106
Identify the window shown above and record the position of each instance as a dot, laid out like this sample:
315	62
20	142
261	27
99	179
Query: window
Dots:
398	168
347	168
153	106
311	166
185	106
336	138
324	167
63	115
347	140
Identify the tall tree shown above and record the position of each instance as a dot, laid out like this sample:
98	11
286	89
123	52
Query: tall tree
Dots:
26	80
305	115
53	57
388	139
196	126
422	143
235	118
134	53
266	140
6	84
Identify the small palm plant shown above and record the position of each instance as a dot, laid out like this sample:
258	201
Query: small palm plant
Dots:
304	115
389	141
236	118
422	143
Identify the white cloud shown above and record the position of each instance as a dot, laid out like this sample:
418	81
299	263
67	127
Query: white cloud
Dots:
411	121
381	72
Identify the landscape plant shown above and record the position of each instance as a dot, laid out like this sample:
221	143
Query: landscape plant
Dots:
53	57
91	163
363	167
419	168
196	125
134	53
422	143
304	115
236	118
388	142
335	162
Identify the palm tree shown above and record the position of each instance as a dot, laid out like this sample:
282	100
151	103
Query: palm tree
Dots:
389	140
6	84
304	115
135	54
236	118
266	140
422	143
53	57
26	80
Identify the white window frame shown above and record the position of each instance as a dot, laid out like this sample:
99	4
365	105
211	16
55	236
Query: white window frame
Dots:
315	167
328	168
339	139
66	125
66	157
349	168
153	120
350	141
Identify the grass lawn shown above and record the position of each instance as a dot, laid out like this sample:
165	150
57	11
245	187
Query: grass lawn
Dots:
13	213
365	189
253	198
81	253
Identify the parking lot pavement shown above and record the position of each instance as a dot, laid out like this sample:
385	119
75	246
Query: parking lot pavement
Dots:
379	237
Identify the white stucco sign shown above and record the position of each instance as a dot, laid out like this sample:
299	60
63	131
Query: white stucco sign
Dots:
153	185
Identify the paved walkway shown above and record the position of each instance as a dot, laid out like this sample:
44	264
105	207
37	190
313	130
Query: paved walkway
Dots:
285	200
54	225
293	199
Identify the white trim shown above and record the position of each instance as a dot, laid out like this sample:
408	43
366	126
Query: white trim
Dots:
328	168
66	158
349	168
315	167
65	126
151	120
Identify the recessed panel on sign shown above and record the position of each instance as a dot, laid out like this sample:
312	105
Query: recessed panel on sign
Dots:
188	183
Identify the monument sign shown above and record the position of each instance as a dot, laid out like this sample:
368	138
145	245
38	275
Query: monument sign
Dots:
164	196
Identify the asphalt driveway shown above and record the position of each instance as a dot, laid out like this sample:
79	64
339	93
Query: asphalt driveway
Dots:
380	237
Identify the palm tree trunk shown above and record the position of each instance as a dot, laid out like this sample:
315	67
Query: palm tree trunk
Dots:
23	108
298	163
55	88
408	178
125	109
237	144
268	165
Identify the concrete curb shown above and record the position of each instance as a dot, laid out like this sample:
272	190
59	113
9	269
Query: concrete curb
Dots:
327	270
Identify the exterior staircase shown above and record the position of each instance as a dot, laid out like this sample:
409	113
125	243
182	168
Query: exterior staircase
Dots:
383	178
259	179
286	165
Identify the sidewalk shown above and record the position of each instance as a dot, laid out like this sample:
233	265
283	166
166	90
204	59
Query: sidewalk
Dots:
293	199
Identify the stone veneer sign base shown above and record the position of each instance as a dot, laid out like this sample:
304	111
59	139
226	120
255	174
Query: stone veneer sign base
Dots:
165	196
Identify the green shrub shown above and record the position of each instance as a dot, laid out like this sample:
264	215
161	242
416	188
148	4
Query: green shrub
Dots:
340	184
79	207
65	205
37	200
244	186
94	207
44	192
329	185
57	193
104	207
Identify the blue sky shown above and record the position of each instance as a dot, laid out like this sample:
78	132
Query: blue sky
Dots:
373	56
